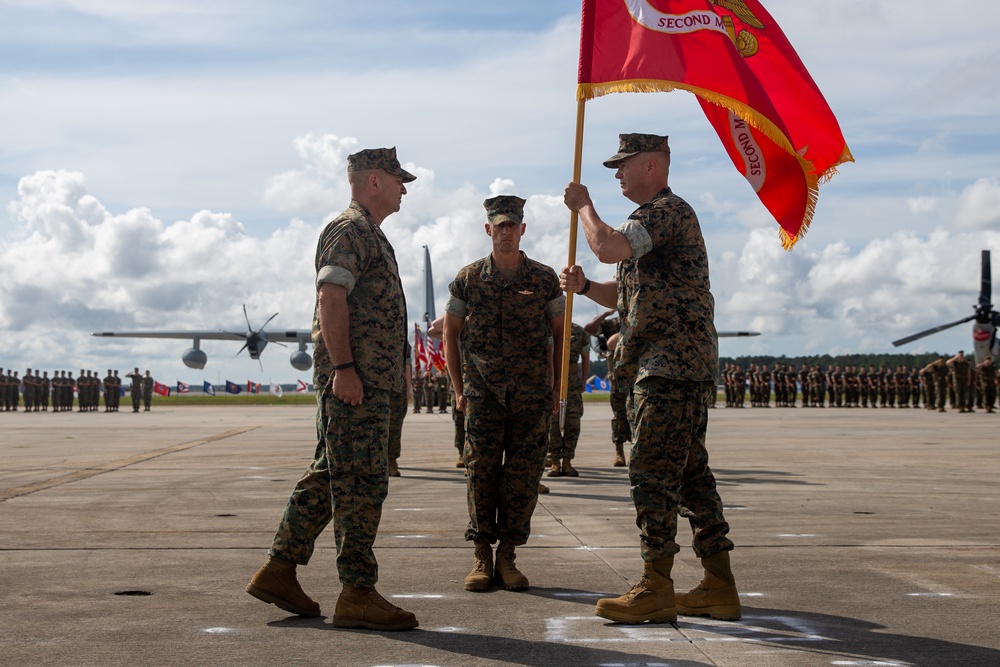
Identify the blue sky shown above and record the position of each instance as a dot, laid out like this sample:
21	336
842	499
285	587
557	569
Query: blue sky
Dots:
164	162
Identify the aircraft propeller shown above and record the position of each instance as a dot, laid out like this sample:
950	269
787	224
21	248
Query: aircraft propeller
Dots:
256	340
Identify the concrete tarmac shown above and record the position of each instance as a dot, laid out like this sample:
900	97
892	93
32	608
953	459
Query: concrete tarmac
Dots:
864	537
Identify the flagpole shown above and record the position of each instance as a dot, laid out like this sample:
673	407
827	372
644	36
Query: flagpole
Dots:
568	317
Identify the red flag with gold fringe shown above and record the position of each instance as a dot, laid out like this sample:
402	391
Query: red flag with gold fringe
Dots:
772	118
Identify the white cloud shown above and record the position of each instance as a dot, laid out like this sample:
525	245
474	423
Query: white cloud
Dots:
979	205
921	205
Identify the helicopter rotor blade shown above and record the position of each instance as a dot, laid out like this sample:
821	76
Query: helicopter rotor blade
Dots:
928	332
985	284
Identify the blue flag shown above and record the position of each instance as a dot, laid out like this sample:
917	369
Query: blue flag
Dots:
233	388
208	388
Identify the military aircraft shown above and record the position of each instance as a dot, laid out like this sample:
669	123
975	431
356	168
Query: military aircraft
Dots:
984	329
254	342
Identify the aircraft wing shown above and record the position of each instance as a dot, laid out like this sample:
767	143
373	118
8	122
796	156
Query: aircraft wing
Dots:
737	334
292	336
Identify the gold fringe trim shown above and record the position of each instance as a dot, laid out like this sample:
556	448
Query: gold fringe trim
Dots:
588	91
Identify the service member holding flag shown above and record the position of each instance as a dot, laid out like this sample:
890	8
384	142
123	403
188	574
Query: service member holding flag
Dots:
668	355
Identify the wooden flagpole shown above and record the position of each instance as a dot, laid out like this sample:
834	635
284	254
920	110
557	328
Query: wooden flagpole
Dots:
568	317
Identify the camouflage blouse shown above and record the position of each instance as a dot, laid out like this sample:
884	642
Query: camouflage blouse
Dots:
505	336
668	327
353	252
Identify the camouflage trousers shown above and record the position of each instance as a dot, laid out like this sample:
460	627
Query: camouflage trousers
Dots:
504	461
347	483
942	393
562	445
668	468
930	396
988	390
963	395
621	431
397	412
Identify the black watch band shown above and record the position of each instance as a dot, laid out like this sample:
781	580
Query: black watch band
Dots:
586	287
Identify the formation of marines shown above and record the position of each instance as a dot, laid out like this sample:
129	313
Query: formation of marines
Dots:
431	389
59	392
956	382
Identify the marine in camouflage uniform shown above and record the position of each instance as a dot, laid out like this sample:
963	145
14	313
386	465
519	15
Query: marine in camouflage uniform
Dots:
669	351
44	389
429	399
436	331
741	387
872	382
147	391
108	386
116	394
15	391
939	369
988	383
30	391
398	402
501	314
441	391
902	379
562	444
621	433
418	390
135	391
960	378
359	338
927	380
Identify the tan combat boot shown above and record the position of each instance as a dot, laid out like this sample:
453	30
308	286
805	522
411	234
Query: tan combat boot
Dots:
363	607
482	572
716	595
620	455
393	468
555	470
542	488
652	599
460	463
275	583
568	470
512	578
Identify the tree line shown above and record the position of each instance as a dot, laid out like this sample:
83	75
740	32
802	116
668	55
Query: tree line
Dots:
599	367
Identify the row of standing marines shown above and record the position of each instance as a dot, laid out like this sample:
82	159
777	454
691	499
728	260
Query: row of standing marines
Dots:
957	382
41	391
503	347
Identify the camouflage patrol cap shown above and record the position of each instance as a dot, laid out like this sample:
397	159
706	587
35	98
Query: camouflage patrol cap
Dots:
504	208
378	158
633	144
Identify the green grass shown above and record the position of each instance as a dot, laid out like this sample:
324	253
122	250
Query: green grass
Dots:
225	399
182	400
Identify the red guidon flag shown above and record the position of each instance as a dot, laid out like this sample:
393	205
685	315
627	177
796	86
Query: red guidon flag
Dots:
160	388
774	122
419	351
